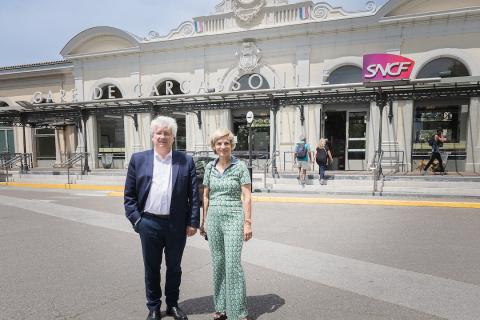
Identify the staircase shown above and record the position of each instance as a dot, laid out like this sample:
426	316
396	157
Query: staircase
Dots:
339	183
361	184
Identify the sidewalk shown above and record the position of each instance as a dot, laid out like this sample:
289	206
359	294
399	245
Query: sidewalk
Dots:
411	186
286	198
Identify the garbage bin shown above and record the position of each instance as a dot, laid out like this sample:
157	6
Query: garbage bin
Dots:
107	160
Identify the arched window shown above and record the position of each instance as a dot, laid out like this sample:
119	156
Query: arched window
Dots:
169	87
345	74
3	104
252	81
443	67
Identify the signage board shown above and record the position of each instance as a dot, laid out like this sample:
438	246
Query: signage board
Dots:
386	67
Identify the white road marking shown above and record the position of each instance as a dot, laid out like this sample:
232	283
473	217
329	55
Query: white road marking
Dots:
422	292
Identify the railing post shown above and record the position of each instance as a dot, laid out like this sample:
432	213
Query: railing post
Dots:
86	168
275	105
24	168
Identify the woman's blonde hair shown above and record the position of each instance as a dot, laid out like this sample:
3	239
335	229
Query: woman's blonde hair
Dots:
222	133
321	143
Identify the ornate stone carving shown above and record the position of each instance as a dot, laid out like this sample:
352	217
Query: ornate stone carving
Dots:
152	35
249	57
371	6
247	10
324	11
185	29
321	11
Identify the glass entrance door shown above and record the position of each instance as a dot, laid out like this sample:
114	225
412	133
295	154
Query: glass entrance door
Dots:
6	141
335	133
356	140
346	132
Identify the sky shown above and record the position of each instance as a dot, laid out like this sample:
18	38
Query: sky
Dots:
37	30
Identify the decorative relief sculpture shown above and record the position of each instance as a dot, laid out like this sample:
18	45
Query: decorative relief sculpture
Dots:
247	10
371	6
248	57
321	11
152	35
186	29
324	11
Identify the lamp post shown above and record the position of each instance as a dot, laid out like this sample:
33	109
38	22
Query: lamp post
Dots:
249	122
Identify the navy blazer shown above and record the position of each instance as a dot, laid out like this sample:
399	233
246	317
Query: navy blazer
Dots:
184	207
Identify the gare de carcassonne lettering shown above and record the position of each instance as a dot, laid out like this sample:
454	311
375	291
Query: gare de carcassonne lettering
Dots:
254	82
376	67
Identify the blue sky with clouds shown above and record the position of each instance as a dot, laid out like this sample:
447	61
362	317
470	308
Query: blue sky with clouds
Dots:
36	31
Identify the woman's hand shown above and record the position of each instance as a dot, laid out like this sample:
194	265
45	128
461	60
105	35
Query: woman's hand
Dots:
203	230
247	231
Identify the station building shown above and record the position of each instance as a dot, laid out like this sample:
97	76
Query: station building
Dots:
297	66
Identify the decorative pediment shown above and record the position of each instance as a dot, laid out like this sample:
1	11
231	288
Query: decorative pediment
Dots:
99	40
238	15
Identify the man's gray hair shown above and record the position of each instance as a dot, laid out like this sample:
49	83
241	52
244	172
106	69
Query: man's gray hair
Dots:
163	122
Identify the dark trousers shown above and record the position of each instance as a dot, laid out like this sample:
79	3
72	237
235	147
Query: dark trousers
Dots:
437	156
156	238
321	170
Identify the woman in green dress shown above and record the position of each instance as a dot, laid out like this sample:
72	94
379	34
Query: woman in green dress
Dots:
227	216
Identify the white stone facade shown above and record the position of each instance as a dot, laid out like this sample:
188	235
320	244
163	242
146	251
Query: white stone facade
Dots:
291	45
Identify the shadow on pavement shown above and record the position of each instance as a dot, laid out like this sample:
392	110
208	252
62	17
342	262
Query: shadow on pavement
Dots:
257	305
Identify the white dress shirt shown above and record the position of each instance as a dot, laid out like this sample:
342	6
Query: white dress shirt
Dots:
159	197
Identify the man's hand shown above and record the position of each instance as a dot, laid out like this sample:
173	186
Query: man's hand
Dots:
191	231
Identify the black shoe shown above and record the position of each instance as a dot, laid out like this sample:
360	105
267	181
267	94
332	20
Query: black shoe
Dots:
154	315
219	316
176	313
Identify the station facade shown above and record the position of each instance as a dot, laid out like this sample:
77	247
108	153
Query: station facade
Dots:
255	45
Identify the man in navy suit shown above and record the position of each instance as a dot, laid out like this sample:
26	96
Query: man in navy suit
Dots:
161	202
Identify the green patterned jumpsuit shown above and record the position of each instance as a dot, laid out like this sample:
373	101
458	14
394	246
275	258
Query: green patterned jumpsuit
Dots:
225	221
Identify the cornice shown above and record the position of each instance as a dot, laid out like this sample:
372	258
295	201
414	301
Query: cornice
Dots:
457	13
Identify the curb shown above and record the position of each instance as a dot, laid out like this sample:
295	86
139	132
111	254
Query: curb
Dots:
117	191
62	186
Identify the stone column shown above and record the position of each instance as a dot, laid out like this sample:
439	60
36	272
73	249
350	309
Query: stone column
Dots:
92	141
473	137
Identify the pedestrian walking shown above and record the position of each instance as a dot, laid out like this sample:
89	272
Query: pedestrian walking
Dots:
161	202
227	220
303	157
436	142
322	158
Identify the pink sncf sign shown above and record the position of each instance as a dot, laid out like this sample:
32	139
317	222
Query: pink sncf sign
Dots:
384	66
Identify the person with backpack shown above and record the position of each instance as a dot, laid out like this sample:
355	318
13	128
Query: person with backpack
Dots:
322	157
303	157
436	142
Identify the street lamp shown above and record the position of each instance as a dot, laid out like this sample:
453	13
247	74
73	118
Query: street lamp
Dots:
249	122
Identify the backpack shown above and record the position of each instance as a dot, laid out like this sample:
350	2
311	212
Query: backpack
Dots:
431	140
321	157
301	150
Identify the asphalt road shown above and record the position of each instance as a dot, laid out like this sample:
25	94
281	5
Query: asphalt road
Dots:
72	255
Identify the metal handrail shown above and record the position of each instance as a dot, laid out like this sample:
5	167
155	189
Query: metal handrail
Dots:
258	155
25	160
377	171
397	161
276	154
72	159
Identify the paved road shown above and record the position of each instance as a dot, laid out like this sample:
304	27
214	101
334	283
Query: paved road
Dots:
72	255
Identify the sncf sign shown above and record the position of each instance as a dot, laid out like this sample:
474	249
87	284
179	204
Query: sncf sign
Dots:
382	66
